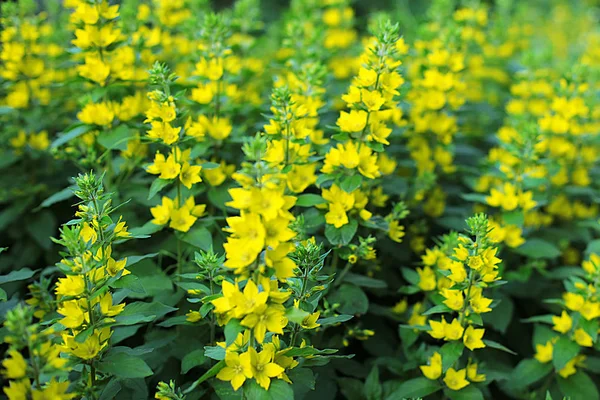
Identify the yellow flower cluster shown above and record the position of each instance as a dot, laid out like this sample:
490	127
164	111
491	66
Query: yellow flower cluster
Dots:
23	374
87	272
579	320
460	279
28	59
180	213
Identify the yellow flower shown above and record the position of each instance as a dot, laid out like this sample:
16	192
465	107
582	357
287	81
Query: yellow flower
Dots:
573	301
396	231
459	274
563	323
15	365
427	281
18	390
583	338
90	347
249	300
170	169
473	375
74	314
456	380
310	322
475	262
453	331
72	285
266	202
162	212
354	121
238	369
266	318
472	338
87	233
337	215
438	329
478	302
569	369
278	260
543	352
373	100
181	219
113	267
189	175
53	390
400	307
454	298
262	365
39	141
107	308
434	368
19	141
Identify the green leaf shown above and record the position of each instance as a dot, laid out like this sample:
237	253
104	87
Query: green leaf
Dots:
111	390
538	248
578	386
70	134
474	197
14	276
198	237
214	352
41	228
351	298
57	197
372	388
115	138
132	260
157	186
418	387
365	281
278	390
514	218
501	315
123	365
341	236
193	359
309	200
83	335
593	247
335	320
410	275
467	393
547	319
351	388
219	196
232	329
140	311
440	308
207	375
498	346
304	381
564	350
351	183
451	352
528	372
129	282
296	314
3	296
224	391
6	110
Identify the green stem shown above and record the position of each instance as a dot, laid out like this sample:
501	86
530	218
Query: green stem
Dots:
341	276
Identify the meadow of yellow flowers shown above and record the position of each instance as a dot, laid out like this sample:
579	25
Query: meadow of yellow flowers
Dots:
314	200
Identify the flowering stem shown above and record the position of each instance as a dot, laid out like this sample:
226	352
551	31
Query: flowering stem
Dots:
462	315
